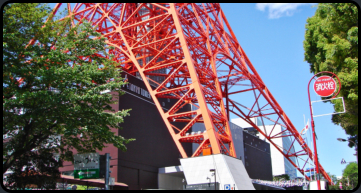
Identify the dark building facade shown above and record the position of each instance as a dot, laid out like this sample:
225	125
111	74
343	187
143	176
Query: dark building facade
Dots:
153	147
257	156
254	152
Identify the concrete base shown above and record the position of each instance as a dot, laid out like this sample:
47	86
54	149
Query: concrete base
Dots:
171	178
313	185
230	172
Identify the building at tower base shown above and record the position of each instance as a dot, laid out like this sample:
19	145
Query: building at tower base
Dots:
153	161
280	165
153	147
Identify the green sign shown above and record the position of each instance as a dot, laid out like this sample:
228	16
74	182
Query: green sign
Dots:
86	165
85	174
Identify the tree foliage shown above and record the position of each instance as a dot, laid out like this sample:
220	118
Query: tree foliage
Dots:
282	177
53	87
39	170
349	178
351	172
332	176
331	44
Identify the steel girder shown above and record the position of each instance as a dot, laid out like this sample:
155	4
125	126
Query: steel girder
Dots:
188	52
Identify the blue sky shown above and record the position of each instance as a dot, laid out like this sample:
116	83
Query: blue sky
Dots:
272	36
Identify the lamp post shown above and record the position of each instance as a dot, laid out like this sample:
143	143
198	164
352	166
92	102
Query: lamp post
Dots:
343	140
208	178
215	185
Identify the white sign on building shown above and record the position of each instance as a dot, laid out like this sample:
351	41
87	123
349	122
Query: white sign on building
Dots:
86	165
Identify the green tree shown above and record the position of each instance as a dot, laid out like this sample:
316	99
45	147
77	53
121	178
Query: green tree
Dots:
333	177
334	187
282	177
39	170
53	88
331	44
83	187
350	174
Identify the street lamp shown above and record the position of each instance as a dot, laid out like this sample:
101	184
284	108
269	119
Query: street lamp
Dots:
208	178
215	185
343	140
184	184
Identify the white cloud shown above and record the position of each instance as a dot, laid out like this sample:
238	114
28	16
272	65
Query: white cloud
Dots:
277	10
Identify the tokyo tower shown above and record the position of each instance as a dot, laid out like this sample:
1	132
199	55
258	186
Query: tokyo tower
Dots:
188	52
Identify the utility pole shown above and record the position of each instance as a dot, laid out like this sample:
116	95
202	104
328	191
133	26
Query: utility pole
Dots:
104	166
322	94
215	184
107	160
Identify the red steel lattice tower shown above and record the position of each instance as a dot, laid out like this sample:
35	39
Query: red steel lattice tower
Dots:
188	52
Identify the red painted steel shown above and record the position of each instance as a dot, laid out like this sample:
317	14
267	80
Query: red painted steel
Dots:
188	52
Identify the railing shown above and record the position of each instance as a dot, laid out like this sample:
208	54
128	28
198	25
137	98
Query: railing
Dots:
287	183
